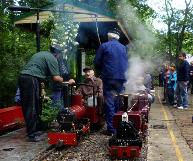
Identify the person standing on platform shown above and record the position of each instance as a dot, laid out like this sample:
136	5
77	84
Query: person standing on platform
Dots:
183	68
191	77
112	61
172	85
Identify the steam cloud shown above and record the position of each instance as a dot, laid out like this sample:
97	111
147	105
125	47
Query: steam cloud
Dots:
141	49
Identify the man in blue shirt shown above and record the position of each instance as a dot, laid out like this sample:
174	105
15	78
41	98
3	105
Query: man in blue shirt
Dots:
112	61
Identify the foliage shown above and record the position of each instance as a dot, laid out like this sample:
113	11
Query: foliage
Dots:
188	41
178	35
142	9
143	39
16	48
46	26
49	112
37	3
64	34
64	31
90	54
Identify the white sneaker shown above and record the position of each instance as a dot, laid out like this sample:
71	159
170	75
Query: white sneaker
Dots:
175	105
180	107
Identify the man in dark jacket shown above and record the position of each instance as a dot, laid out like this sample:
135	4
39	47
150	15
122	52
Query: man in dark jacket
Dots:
183	68
39	67
92	80
112	61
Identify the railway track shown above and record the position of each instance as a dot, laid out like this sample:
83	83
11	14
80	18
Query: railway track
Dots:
93	147
52	153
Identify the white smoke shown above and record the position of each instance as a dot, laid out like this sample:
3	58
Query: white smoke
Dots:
141	48
135	73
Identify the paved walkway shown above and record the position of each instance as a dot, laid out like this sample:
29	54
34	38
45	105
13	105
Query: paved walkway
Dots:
14	147
165	142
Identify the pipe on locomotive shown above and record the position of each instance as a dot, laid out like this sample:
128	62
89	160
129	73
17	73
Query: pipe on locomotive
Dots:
84	84
66	89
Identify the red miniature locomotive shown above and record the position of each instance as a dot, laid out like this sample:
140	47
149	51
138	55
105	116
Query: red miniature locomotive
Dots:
75	121
131	126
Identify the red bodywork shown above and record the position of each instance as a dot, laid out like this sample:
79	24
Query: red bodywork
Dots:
134	116
11	117
139	102
67	138
124	152
92	114
80	112
138	114
77	107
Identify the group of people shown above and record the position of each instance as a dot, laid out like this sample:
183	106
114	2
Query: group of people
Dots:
175	79
111	60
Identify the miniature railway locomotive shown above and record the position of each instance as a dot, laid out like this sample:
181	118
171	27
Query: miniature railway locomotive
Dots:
76	120
131	126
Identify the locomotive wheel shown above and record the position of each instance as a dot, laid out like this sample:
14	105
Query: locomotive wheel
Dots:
112	141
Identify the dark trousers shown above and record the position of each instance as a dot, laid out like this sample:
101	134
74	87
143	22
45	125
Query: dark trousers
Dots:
160	80
191	85
170	96
30	102
111	88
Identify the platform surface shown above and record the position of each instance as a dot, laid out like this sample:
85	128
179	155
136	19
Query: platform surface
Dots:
165	142
14	147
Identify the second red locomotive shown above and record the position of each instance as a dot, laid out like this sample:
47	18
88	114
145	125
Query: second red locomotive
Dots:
131	126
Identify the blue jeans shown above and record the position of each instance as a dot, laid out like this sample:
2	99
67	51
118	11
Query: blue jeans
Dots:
57	100
182	93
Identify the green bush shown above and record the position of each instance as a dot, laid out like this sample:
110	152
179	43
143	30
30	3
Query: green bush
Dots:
49	112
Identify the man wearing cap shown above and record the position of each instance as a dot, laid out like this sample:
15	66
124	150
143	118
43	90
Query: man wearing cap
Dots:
40	66
112	61
90	79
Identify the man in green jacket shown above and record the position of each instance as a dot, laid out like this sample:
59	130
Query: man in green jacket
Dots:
40	66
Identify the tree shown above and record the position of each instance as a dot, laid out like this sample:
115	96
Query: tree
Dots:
179	22
16	48
142	9
35	3
184	24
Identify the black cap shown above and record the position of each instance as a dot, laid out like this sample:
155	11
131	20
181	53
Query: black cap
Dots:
55	49
87	68
115	31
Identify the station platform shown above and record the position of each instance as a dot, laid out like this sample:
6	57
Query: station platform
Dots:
14	147
165	140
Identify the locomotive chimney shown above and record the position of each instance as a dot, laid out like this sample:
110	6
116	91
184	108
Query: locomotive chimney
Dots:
126	102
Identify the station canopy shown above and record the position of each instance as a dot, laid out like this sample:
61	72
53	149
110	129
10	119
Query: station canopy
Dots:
91	24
